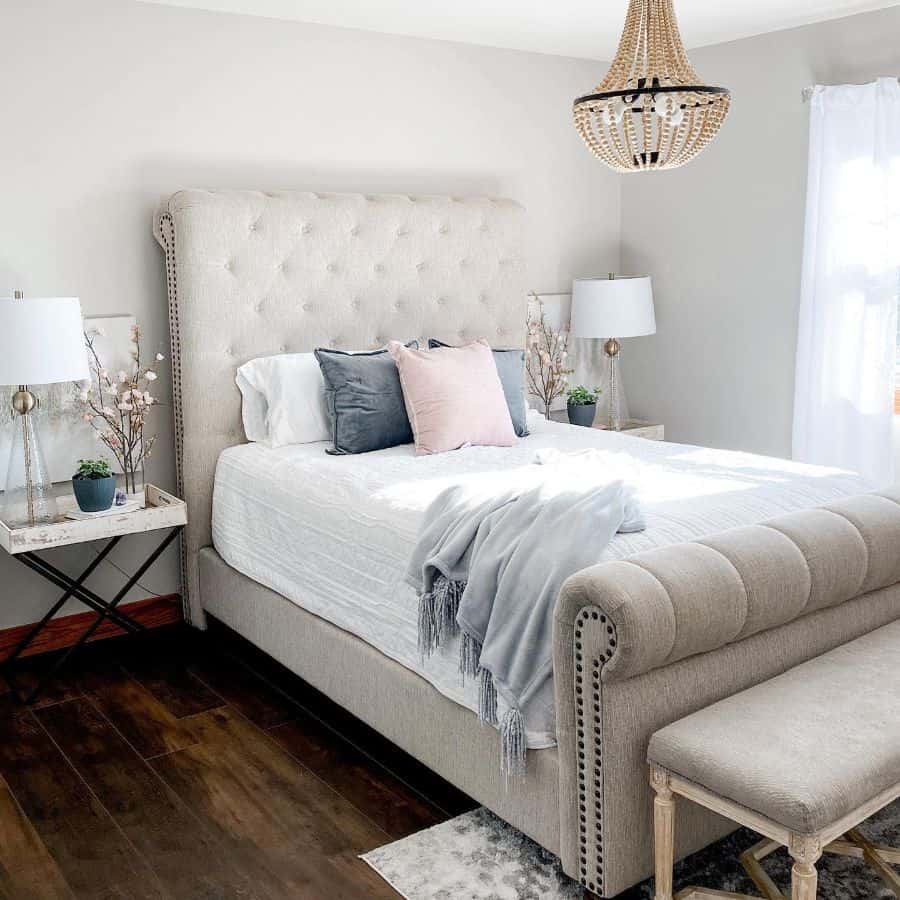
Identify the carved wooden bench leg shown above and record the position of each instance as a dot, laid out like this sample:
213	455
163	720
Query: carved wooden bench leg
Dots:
805	852
663	833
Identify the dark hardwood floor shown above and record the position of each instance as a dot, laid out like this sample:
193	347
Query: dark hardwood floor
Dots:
190	765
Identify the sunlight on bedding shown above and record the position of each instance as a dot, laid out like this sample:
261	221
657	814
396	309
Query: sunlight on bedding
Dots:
334	534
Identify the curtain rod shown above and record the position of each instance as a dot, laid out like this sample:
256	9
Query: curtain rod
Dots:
807	92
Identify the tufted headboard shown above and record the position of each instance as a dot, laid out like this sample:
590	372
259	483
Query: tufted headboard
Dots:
251	274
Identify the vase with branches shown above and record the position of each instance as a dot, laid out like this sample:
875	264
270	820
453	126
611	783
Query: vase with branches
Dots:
546	357
117	405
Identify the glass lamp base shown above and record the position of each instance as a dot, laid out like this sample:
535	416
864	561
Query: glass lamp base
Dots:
28	498
616	405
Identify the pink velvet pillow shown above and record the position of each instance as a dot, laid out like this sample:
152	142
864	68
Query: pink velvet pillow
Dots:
453	397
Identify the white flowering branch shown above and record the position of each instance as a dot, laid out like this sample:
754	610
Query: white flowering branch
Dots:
546	353
117	406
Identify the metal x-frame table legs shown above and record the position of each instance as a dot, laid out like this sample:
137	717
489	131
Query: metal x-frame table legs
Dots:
74	587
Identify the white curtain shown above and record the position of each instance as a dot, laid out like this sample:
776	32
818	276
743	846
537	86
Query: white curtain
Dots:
844	398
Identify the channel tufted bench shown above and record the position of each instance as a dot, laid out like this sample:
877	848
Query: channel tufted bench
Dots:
802	758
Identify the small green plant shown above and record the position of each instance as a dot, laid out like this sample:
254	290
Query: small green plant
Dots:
93	469
581	396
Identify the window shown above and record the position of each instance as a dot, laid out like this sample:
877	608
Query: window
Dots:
843	414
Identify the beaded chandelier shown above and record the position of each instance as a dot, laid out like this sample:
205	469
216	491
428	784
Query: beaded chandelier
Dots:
651	110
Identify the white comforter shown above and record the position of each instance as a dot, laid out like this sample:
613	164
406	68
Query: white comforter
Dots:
335	533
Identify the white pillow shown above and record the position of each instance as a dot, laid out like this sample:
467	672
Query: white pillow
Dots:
253	409
293	400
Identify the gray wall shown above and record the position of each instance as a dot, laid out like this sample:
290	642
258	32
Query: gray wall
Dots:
107	105
723	239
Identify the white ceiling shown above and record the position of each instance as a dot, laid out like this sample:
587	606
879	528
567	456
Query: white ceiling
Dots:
585	28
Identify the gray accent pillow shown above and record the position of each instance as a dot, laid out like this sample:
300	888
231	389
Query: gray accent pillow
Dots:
364	400
510	367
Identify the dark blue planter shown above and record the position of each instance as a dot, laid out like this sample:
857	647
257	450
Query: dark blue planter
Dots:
582	414
94	494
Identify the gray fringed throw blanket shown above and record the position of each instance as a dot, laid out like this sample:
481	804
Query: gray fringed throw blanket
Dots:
489	563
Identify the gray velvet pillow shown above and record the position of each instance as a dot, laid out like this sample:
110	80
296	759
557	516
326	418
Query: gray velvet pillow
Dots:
510	367
364	400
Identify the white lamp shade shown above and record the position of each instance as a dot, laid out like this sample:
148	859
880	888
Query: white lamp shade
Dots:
42	341
612	307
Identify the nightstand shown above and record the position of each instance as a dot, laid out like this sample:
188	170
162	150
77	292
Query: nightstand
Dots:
161	511
651	431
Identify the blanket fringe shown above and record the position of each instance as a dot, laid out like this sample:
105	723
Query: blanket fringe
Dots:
437	614
449	594
427	630
469	656
512	745
487	698
437	622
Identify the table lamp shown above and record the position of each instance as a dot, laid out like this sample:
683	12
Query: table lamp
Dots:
41	342
613	308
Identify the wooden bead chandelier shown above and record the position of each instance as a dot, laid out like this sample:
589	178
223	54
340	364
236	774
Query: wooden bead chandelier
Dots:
650	111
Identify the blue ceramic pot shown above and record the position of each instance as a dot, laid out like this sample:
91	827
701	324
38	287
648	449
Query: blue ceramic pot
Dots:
94	494
582	414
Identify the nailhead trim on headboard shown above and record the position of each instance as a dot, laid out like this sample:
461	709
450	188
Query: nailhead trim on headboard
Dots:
166	235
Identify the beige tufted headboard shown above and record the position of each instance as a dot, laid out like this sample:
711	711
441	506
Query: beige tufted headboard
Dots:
251	274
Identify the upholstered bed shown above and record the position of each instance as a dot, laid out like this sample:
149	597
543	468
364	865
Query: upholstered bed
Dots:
638	642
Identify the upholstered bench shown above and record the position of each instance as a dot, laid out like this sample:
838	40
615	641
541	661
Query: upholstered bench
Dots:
802	759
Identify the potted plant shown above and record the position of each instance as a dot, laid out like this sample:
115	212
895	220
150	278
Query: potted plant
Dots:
582	405
94	485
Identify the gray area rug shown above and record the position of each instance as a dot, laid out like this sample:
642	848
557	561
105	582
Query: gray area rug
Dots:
476	856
